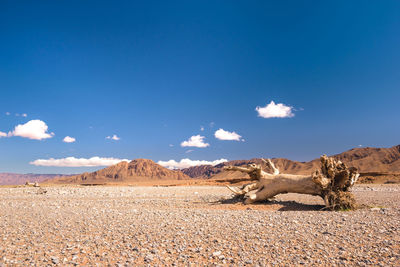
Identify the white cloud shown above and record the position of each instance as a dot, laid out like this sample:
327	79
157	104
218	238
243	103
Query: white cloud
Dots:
24	115
186	163
189	151
201	128
221	134
2	134
69	139
8	113
34	129
114	137
77	162
273	110
171	145
195	141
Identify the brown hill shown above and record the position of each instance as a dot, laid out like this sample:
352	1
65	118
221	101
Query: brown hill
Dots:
372	159
215	172
138	170
366	160
18	179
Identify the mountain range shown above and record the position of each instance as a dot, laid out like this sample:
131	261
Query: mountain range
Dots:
366	160
16	178
369	161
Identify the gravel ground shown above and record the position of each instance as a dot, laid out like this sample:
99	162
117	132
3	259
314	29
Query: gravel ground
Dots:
190	226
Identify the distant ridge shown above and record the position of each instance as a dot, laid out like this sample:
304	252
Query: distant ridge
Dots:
368	159
17	179
137	170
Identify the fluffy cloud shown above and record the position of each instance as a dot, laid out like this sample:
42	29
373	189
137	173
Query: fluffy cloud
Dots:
186	163
3	134
195	141
34	129
221	134
24	115
114	137
77	162
273	110
69	139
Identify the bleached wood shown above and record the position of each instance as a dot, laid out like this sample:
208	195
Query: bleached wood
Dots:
332	182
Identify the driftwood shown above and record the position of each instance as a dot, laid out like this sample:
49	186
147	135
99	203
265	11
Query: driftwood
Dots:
35	184
332	182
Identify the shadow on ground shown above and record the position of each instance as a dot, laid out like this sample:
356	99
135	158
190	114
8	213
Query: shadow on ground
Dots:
279	205
293	206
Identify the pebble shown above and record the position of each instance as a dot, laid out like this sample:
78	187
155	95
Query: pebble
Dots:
217	253
55	260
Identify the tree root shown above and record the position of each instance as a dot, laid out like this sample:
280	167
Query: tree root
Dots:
332	182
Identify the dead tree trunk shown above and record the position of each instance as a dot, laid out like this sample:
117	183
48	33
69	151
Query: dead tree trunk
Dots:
332	182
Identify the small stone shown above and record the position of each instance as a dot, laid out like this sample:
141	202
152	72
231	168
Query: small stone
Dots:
55	260
217	253
149	258
249	262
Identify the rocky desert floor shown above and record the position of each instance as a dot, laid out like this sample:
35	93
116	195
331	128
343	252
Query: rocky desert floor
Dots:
193	226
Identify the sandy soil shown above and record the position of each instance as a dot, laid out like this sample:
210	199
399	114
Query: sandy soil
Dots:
193	225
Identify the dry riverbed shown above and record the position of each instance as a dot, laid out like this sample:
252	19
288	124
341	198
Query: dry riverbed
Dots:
191	226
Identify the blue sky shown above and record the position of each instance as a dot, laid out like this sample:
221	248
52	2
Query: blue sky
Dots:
154	72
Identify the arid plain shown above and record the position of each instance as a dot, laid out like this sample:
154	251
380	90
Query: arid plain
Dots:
192	226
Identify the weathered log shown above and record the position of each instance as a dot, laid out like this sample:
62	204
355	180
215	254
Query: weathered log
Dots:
332	182
35	184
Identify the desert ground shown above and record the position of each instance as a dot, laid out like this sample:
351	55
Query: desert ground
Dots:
193	226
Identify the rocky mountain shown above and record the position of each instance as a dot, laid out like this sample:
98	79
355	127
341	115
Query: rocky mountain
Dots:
17	179
366	160
138	170
285	165
372	159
